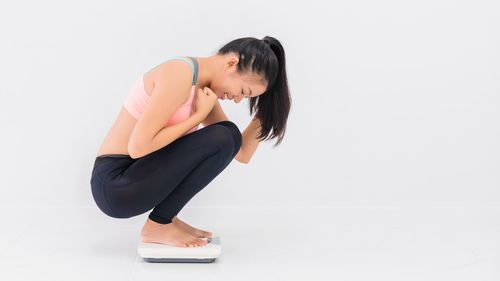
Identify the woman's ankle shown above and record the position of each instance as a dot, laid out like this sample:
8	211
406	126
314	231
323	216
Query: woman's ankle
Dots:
151	225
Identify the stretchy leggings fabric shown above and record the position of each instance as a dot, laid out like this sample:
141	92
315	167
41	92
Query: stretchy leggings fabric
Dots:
165	179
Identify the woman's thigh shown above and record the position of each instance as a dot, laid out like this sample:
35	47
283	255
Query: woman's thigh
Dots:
182	155
144	182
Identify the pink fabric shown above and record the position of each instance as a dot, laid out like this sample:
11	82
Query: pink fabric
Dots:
138	98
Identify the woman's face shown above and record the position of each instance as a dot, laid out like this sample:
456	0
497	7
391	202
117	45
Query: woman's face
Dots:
228	84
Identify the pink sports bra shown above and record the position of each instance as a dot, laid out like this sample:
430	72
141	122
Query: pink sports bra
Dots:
138	98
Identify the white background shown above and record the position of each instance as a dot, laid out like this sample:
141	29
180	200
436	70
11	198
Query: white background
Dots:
394	102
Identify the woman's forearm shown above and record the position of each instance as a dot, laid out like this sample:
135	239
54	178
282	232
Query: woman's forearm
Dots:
250	142
164	137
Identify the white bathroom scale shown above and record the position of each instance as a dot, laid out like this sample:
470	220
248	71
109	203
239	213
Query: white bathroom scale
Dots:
155	252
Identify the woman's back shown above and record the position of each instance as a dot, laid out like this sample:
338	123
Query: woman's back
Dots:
117	138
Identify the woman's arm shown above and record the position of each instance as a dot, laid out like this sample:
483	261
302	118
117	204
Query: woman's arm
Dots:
165	136
249	141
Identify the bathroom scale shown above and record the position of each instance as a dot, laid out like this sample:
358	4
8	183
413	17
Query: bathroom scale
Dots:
161	253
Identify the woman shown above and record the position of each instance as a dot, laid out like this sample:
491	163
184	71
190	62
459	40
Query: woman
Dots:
154	155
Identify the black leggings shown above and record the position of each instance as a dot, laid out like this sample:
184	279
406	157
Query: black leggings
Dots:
165	179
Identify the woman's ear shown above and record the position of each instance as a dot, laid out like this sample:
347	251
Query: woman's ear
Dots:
233	61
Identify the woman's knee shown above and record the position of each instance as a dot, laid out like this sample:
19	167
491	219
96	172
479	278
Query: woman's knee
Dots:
234	130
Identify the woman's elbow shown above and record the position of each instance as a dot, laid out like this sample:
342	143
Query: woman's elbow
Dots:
133	150
241	158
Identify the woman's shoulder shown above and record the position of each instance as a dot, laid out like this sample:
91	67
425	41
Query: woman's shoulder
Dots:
177	68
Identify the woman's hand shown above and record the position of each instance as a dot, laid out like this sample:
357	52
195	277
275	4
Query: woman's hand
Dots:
205	101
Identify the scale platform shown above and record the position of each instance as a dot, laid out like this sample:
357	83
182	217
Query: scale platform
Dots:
161	253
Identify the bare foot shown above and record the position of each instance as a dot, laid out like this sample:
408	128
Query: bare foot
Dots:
191	230
169	234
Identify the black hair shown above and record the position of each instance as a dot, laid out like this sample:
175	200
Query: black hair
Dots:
265	57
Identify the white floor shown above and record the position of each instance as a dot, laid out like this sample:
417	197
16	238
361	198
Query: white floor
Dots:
342	243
